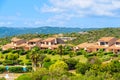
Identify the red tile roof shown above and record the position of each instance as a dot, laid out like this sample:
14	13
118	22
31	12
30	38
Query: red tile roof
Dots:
106	39
84	45
49	39
15	39
35	40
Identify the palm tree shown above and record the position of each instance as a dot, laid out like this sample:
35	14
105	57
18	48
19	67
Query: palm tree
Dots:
34	55
60	49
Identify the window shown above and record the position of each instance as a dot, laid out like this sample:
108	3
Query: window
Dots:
97	49
106	42
102	43
117	43
118	50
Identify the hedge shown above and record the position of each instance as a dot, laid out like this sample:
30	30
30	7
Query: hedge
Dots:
16	69
10	62
19	69
2	69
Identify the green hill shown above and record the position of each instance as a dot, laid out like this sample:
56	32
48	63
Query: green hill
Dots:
89	36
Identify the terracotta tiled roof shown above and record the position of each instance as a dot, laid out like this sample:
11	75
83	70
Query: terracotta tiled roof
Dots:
15	39
118	40
114	47
84	45
8	46
35	40
106	39
49	39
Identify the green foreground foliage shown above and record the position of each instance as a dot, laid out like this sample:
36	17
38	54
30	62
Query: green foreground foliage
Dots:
64	63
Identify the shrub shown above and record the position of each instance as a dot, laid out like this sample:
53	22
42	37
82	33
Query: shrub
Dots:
8	62
21	63
47	64
78	53
24	77
71	63
46	59
1	62
28	63
82	68
2	69
29	68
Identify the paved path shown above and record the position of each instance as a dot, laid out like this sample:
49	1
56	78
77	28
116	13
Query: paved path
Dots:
10	76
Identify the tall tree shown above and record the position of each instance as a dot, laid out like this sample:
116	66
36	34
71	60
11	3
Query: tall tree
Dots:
34	56
60	49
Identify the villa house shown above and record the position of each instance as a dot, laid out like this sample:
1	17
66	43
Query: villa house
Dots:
106	41
51	43
103	43
8	46
32	43
83	46
15	44
116	47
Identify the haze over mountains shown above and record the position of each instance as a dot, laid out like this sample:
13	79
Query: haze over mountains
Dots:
9	31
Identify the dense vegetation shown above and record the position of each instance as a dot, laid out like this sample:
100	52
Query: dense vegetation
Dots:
94	35
64	63
68	65
89	36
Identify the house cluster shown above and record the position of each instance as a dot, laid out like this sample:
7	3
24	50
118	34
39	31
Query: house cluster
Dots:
49	43
108	44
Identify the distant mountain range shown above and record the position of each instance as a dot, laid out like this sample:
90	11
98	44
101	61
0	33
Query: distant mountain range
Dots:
9	31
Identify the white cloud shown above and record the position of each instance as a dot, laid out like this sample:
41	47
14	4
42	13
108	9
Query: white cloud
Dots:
83	7
5	23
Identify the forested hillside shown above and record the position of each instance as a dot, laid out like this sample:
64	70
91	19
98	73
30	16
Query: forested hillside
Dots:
94	35
88	36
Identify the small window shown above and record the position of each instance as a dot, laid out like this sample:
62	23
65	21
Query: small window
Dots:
103	49
106	42
117	43
118	50
102	43
97	49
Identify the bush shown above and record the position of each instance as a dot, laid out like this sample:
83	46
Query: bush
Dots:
82	68
71	63
46	59
24	77
21	63
28	63
78	53
8	62
47	64
2	69
106	58
1	62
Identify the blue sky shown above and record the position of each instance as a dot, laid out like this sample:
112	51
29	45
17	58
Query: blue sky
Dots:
62	13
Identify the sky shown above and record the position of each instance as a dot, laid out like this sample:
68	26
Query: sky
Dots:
60	13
